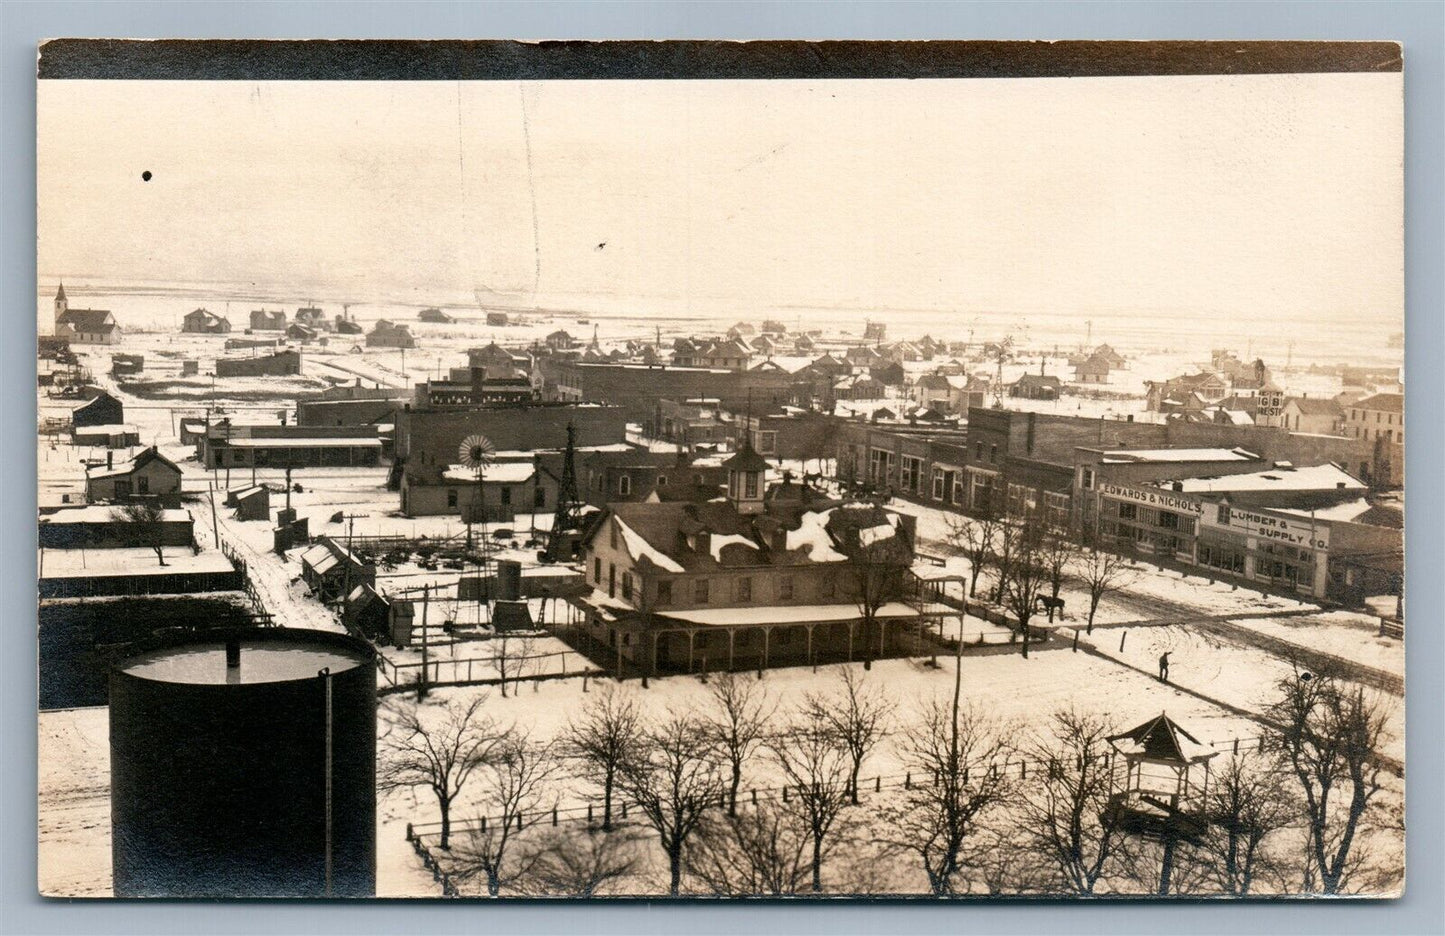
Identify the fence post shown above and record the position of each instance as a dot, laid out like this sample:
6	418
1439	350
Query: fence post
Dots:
589	813
908	781
1121	640
755	797
878	784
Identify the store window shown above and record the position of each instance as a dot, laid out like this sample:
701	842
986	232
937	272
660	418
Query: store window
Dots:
1128	511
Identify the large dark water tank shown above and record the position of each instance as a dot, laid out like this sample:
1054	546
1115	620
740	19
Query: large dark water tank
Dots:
221	749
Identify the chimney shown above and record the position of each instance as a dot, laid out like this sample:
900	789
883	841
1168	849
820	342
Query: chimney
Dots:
1130	418
233	654
702	541
1339	485
109	460
1177	486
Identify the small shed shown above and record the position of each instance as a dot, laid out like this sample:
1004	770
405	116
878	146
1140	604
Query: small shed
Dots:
251	503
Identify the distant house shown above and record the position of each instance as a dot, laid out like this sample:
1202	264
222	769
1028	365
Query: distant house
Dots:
773	327
1318	416
267	320
742	330
888	373
803	344
127	365
299	332
346	326
387	334
148	474
84	326
498	319
1093	369
1189	391
435	316
204	322
902	351
312	317
858	387
732	354
1116	360
1036	387
103	410
875	331
497	362
764	345
862	356
560	341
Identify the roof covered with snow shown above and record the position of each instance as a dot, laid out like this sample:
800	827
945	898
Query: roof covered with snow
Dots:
1178	455
1327	477
495	473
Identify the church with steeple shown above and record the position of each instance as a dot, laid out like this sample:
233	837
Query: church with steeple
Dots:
83	326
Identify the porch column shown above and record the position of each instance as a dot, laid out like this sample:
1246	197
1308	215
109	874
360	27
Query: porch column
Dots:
690	635
731	634
851	625
810	644
767	632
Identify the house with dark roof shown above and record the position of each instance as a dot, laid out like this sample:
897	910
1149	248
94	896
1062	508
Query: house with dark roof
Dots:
312	317
205	322
387	334
148	474
1036	387
268	320
560	341
101	410
435	316
731	354
83	326
1093	369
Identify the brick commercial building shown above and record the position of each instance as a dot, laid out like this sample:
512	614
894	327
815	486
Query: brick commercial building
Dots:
428	439
920	463
1380	421
1302	529
346	412
636	388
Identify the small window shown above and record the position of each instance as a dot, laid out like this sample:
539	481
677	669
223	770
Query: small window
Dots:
539	497
664	593
978	451
451	498
785	588
699	591
993	453
662	480
611	580
597	571
612	534
627	586
745	589
750	484
1222	515
506	497
1128	511
1088	482
142	485
624	485
825	587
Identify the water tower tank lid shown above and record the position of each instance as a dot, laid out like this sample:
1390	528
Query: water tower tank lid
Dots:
262	661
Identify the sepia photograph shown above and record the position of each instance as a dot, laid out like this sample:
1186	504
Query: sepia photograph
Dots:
950	470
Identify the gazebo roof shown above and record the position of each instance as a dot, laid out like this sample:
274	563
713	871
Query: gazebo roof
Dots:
1161	739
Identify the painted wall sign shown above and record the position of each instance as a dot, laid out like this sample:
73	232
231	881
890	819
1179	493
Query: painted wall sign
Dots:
1155	497
1294	531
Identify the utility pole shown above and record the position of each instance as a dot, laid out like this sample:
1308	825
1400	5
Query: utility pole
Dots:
421	683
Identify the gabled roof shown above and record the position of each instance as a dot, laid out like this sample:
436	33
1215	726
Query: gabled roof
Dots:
1036	380
1316	406
131	465
87	320
1383	402
1162	739
746	460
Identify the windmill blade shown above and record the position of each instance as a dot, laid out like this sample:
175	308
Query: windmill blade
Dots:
476	451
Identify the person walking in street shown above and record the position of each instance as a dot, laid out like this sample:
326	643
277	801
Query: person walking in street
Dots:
1164	666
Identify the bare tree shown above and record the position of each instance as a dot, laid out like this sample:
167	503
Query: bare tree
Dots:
588	864
512	658
737	724
520	771
1246	804
857	720
599	740
147	517
673	777
1064	814
1102	570
975	538
952	749
1328	737
818	768
1026	574
441	757
760	850
1056	553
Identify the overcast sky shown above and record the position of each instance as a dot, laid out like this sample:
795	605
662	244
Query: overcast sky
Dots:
1238	196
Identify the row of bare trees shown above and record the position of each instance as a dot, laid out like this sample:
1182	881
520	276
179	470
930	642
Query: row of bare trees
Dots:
1301	815
1030	559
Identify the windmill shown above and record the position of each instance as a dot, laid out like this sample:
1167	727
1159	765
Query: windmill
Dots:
477	453
560	546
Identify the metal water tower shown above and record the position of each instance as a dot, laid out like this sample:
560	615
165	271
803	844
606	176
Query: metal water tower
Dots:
243	764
